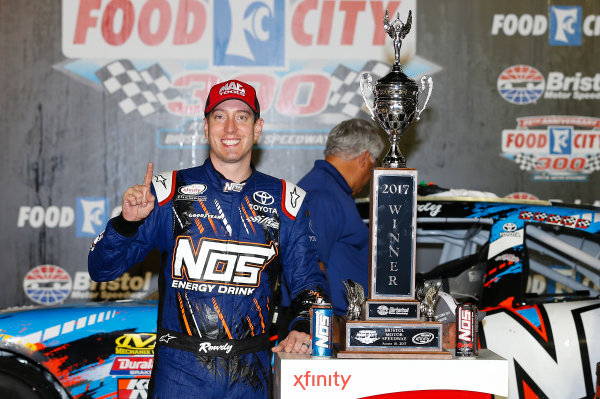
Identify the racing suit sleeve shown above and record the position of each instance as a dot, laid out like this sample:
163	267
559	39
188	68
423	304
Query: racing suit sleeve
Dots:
306	281
121	245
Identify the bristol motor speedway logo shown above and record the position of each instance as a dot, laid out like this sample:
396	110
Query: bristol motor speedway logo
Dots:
47	284
304	58
554	147
524	84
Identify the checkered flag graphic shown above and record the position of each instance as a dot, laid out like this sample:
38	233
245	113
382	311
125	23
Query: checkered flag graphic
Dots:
143	91
527	215
583	223
540	216
592	163
345	96
525	161
554	219
569	220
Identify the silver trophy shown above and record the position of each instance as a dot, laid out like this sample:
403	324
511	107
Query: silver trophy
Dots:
395	104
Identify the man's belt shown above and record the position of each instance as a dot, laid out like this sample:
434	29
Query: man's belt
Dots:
212	347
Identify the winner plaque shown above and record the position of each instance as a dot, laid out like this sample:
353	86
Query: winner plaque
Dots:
391	323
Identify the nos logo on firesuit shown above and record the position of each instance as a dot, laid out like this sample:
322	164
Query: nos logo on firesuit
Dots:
257	38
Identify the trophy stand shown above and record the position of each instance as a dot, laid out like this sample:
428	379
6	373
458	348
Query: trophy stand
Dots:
391	323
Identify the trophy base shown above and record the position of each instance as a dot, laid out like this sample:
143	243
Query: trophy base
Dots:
398	336
393	309
443	354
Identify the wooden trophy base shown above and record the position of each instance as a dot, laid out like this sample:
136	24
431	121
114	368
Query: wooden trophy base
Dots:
392	339
443	354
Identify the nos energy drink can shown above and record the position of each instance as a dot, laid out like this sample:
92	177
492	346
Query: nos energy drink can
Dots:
466	331
321	326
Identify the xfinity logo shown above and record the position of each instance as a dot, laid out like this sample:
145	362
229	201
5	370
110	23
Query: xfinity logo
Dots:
193	189
263	198
308	380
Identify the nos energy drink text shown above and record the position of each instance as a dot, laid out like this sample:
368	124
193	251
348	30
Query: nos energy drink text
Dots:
321	326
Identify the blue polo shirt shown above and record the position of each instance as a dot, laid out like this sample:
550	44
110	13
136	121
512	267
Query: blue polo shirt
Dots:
342	236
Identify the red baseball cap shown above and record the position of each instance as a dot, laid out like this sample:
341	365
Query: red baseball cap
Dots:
232	89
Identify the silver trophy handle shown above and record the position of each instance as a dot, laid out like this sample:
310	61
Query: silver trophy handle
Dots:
366	79
421	90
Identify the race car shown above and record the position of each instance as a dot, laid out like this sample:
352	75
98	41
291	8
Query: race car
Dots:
533	266
95	350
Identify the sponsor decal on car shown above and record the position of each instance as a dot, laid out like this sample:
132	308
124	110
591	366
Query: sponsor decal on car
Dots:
135	344
133	388
132	366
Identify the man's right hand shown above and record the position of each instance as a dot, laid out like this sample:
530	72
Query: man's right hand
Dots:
138	201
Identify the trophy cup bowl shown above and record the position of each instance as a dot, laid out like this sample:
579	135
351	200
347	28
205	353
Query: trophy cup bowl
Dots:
396	96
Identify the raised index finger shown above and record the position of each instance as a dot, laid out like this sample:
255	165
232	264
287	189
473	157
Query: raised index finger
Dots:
149	173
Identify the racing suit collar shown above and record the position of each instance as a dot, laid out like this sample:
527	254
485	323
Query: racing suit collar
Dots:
223	183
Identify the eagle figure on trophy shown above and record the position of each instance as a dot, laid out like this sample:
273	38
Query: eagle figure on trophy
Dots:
397	30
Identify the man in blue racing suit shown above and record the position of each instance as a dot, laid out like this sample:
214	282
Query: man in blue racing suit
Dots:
226	234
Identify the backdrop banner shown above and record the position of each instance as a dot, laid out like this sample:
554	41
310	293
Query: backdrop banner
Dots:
94	90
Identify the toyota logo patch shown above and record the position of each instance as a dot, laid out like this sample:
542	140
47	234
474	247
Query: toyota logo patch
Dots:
263	198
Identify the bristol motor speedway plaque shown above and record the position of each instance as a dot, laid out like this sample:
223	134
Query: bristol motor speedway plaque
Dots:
392	310
393	336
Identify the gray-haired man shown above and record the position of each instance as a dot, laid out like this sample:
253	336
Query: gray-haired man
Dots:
351	152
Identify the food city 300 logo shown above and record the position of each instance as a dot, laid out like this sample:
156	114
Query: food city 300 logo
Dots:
275	35
554	147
